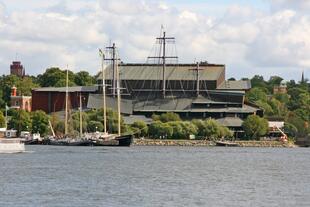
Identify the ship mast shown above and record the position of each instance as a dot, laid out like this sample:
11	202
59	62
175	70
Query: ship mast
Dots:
163	40
118	98
66	105
103	92
81	123
115	84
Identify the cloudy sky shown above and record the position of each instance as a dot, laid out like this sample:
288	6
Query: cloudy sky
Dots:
267	37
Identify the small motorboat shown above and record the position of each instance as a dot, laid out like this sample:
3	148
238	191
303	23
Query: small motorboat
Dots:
226	144
11	145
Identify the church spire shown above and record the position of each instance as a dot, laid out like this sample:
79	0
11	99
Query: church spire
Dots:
302	77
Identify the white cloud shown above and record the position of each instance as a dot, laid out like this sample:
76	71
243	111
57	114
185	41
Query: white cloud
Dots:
249	41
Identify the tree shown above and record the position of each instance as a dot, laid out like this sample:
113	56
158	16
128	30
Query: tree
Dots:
141	128
170	116
55	77
40	122
76	121
200	125
256	94
255	126
83	78
178	132
20	120
189	129
301	125
266	107
258	81
2	120
160	130
94	126
6	83
212	129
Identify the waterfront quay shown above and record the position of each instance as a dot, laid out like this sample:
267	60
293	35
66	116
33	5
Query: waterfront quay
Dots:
207	143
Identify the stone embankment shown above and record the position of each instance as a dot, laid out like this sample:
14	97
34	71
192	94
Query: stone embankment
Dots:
200	143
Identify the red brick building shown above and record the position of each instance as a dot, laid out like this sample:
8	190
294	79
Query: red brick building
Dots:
17	69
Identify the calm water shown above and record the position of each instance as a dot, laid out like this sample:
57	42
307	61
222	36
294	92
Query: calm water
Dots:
155	176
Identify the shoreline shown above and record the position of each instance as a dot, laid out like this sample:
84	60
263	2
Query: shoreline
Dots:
206	143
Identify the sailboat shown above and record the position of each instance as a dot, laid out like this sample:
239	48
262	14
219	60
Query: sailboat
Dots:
112	139
69	141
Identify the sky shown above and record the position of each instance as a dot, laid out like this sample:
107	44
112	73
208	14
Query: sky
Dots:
265	37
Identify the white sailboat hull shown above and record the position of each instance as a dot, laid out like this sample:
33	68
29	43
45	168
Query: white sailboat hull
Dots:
11	146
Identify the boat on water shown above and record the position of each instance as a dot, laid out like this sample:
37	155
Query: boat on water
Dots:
122	141
96	139
226	144
11	145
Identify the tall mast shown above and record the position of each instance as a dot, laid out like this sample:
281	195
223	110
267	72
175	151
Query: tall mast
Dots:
81	123
118	99
197	88
114	66
66	110
104	95
164	64
197	69
163	41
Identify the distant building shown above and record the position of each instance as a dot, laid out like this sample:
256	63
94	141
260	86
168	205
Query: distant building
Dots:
17	69
280	89
51	99
20	102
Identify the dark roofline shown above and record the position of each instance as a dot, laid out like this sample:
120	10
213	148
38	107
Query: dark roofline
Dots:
179	64
71	89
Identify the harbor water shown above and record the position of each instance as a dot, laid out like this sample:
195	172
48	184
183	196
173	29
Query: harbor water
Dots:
155	176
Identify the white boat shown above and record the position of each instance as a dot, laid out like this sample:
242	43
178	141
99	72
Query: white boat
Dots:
11	145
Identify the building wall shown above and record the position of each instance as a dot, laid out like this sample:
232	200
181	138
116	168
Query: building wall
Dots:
50	101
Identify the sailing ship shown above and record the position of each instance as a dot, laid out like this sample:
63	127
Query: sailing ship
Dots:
67	140
112	139
104	139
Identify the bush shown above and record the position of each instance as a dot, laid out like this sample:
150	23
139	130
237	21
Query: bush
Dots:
255	126
160	130
94	126
140	128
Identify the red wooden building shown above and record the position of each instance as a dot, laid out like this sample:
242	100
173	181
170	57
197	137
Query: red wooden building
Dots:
52	99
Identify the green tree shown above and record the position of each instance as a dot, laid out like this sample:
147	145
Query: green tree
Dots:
160	130
40	122
55	77
20	120
266	107
76	121
141	128
177	130
301	125
255	126
256	94
170	116
2	120
189	129
6	83
200	125
258	81
212	129
94	126
83	78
